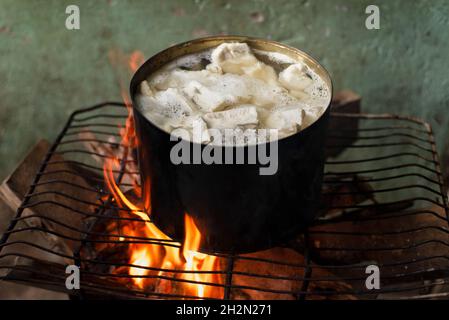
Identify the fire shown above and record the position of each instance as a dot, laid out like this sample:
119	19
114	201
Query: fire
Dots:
136	59
141	258
196	260
168	259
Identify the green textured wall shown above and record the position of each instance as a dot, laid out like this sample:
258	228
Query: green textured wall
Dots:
46	71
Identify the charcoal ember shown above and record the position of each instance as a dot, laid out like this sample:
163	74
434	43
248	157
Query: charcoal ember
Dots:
250	286
165	283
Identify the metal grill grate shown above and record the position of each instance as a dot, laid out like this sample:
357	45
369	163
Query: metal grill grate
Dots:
384	204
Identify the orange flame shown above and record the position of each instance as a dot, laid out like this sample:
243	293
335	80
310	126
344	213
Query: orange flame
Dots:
165	258
196	260
136	59
141	258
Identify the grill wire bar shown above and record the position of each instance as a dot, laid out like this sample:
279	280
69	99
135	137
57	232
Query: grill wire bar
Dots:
384	204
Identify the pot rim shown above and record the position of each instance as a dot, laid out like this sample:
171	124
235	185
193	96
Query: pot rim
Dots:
173	52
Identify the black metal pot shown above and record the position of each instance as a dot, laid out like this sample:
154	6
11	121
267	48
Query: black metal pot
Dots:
235	208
